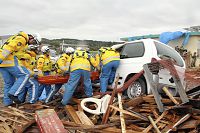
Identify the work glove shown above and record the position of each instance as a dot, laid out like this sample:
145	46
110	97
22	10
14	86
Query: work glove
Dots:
1	61
65	73
35	76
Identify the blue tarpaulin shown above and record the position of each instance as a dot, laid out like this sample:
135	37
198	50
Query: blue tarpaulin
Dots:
187	36
165	37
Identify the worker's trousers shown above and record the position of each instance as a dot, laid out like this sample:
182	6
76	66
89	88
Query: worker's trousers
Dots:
54	90
72	83
15	79
108	74
31	88
44	86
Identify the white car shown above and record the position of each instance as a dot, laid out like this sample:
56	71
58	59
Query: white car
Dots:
134	54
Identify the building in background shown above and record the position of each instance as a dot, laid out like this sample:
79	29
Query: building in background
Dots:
193	44
63	45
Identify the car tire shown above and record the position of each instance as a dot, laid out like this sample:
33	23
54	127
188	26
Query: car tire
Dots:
136	89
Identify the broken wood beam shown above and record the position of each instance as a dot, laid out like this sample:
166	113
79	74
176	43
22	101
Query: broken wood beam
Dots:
171	127
84	119
134	102
157	120
154	124
127	112
72	114
190	124
165	89
123	125
106	115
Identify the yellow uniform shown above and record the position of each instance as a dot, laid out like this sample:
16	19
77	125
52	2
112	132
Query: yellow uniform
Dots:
15	77
61	63
82	60
110	62
44	64
108	54
14	44
32	60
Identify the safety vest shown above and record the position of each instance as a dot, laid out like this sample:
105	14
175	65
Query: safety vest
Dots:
61	64
11	46
33	59
44	63
108	54
81	60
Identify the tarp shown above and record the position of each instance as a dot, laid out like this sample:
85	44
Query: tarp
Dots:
187	36
165	37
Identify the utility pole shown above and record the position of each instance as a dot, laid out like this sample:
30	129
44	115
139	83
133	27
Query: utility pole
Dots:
63	45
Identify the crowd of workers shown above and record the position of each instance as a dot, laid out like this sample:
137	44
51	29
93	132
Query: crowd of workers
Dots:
21	65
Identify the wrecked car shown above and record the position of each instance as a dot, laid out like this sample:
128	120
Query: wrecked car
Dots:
134	54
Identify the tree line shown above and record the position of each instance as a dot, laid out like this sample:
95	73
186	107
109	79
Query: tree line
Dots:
93	45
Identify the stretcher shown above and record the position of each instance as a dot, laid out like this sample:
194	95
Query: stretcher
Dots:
56	79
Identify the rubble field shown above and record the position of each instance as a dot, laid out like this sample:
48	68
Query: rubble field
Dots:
140	114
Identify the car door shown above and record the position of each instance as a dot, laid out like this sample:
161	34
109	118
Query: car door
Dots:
132	57
165	51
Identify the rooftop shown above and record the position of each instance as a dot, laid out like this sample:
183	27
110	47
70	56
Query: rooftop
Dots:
153	36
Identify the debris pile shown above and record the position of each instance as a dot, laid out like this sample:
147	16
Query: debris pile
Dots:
159	112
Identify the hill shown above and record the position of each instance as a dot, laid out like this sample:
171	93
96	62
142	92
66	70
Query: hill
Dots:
93	45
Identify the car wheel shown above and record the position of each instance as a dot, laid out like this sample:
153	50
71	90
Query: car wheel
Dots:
136	89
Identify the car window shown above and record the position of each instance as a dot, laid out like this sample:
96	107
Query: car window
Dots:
166	52
132	50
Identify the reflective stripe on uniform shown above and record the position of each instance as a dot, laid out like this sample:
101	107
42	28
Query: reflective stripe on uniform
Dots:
33	90
79	66
7	62
50	94
111	58
5	53
23	83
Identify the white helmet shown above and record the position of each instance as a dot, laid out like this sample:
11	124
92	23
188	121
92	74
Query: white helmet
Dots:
69	50
45	49
80	48
37	37
32	47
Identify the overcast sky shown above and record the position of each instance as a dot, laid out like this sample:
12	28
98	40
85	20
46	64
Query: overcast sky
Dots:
97	19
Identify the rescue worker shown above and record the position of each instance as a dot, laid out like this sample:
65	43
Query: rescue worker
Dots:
109	58
32	84
61	69
33	51
80	66
15	76
44	66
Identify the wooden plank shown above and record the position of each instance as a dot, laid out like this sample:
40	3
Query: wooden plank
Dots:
157	120
134	102
25	126
83	118
127	112
80	108
174	125
7	128
135	128
106	115
72	114
165	89
153	124
189	124
123	125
